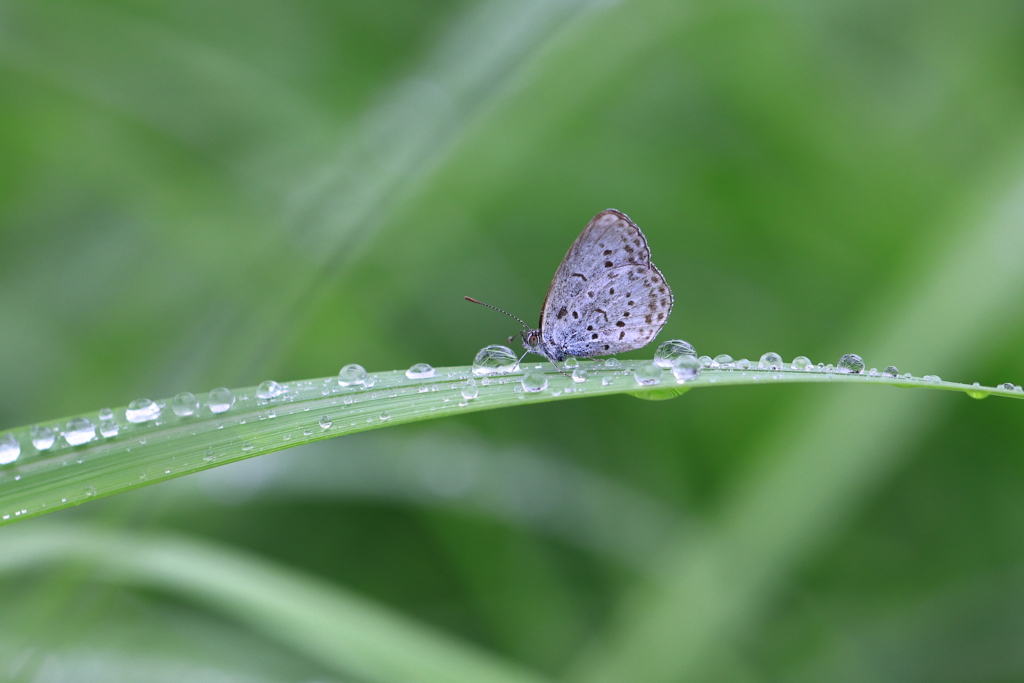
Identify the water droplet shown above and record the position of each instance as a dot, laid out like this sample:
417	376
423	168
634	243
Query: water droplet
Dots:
109	428
247	446
535	380
607	381
743	364
670	350
141	410
369	381
352	374
494	359
469	389
802	363
579	375
420	371
220	400
385	415
106	414
977	392
850	362
185	404
10	449
269	390
570	363
42	437
685	368
722	360
770	361
325	422
1008	386
829	368
79	430
612	363
705	361
648	374
1019	389
934	379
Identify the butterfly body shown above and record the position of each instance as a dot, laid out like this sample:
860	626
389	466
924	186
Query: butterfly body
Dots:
606	297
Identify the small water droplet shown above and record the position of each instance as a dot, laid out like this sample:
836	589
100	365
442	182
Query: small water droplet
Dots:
385	415
247	446
579	375
494	359
269	390
873	372
722	360
42	437
907	375
934	379
370	381
420	371
325	422
469	389
743	364
141	410
570	363
685	368
10	449
109	428
851	363
1019	389
607	381
612	363
79	430
670	350
770	361
1008	386
351	375
220	400
106	414
535	380
647	374
185	404
802	363
705	361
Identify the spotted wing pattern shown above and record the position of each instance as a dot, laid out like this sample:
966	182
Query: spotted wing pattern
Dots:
607	297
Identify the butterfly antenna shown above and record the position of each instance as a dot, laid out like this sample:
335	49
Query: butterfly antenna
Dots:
471	299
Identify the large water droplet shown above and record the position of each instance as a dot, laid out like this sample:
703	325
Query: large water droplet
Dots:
220	400
535	380
352	374
770	361
42	437
494	359
670	350
891	371
722	360
420	371
79	430
109	428
325	422
269	390
685	368
977	392
648	374
10	449
850	362
185	404
141	410
469	389
579	375
802	363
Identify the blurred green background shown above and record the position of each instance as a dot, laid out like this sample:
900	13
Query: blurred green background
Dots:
197	194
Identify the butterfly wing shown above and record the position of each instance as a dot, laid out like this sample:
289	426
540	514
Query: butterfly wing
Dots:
607	297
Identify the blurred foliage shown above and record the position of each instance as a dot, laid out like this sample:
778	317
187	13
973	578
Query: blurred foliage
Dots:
196	194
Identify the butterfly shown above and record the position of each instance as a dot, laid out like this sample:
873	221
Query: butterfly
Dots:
606	297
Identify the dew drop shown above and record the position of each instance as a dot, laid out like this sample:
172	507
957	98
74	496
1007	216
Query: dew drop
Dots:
141	410
570	363
976	392
851	363
269	390
722	360
494	359
220	400
607	381
743	364
79	430
109	429
648	374
42	437
612	363
934	379
802	363
325	422
420	371
106	414
247	446
469	389
670	350
535	380
10	449
385	415
770	361
705	361
1008	386
185	404
351	375
685	368
579	375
